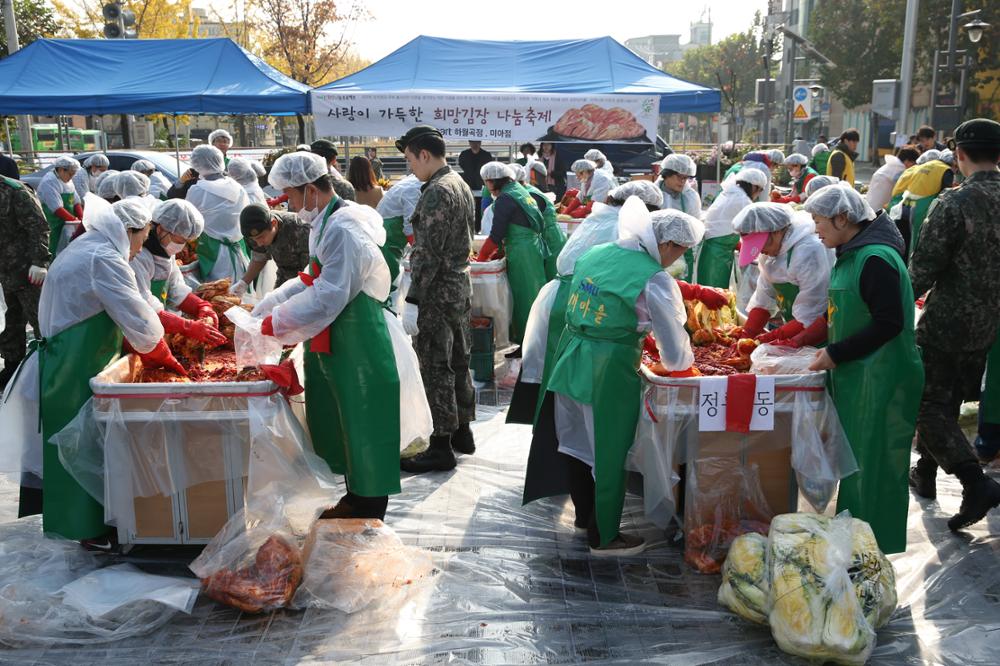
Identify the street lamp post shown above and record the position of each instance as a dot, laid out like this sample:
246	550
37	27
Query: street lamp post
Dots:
956	59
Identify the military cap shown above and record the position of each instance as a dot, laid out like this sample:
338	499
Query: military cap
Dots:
324	148
416	133
254	219
978	132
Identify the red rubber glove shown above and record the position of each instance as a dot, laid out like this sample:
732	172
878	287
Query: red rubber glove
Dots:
65	215
710	297
791	198
78	210
572	205
488	250
581	212
189	328
756	320
267	326
276	201
199	308
790	342
814	335
649	346
690	372
568	196
789	330
160	357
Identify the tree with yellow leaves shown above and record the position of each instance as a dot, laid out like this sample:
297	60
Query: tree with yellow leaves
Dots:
154	19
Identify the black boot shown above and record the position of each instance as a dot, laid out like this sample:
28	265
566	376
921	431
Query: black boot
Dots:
462	440
980	493
437	458
922	478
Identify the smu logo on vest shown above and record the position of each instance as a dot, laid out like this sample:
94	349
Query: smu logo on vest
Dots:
589	287
581	301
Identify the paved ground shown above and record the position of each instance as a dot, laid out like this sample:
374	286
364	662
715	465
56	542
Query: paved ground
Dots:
517	586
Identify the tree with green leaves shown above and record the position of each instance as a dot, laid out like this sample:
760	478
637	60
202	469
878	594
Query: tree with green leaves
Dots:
34	20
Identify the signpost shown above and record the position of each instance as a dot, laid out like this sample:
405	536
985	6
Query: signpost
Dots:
801	104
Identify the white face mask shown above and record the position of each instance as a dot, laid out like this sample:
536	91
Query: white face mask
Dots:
173	248
307	214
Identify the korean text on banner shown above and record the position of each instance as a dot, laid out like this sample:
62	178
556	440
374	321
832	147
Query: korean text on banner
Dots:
490	116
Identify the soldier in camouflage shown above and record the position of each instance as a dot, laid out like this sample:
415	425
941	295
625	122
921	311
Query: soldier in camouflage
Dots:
439	301
24	261
328	151
958	259
273	235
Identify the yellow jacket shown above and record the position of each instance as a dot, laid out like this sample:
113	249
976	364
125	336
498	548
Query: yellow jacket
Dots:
923	180
848	174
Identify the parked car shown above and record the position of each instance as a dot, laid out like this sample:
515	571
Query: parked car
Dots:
122	160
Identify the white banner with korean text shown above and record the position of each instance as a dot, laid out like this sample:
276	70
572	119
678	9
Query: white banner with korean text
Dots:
489	116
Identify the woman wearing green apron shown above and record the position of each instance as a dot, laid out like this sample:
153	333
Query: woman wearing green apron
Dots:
619	293
57	194
675	171
352	376
876	373
89	301
222	252
175	222
553	237
794	275
801	173
714	267
517	227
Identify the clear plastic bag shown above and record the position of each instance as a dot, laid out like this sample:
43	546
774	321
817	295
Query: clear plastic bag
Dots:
830	587
103	592
778	360
821	454
415	421
491	297
351	564
723	501
745	580
252	347
20	436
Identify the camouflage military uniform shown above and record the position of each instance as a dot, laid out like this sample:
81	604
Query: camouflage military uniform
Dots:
290	248
958	258
442	289
343	188
26	244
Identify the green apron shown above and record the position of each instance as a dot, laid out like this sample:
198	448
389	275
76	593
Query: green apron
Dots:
395	243
208	254
526	253
877	398
715	260
67	361
552	235
989	402
596	363
918	213
787	293
159	289
352	399
56	223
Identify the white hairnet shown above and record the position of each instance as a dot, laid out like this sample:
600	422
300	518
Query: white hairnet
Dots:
752	175
679	163
297	169
840	199
797	158
539	166
649	193
929	155
947	156
131	184
819	182
104	186
143	166
819	148
96	160
134	214
593	155
765	216
583	165
671	225
635	223
179	217
241	170
258	168
220	134
775	155
495	171
207	160
66	162
520	175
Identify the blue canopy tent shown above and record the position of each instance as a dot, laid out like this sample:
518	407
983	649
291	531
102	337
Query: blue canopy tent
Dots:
577	66
106	76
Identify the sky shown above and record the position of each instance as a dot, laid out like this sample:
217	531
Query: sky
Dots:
395	22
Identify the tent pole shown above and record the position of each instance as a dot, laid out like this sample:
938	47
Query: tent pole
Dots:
718	146
177	148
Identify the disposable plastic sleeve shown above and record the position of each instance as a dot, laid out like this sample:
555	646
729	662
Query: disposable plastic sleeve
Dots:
662	306
811	269
116	288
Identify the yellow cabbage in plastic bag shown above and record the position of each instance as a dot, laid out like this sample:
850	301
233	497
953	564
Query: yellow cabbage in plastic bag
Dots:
744	578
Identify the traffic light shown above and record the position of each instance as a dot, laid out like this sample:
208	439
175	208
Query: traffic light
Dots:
120	22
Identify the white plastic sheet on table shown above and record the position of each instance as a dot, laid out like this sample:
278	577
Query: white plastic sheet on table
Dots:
491	295
667	436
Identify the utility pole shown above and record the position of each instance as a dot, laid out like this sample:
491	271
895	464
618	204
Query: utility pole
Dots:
906	67
23	122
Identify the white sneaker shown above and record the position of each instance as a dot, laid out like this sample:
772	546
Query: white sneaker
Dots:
623	545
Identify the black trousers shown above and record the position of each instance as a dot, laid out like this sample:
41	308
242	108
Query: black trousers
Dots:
581	491
365	507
